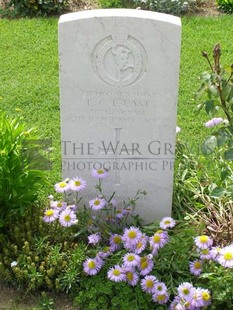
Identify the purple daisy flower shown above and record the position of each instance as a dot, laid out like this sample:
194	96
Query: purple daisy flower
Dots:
195	267
167	222
116	274
67	218
148	284
146	265
215	253
197	302
226	256
160	288
159	239
115	242
175	304
104	254
59	205
203	242
206	297
97	203
92	266
77	184
131	236
141	244
94	238
160	298
100	173
119	213
50	215
213	122
131	260
186	291
131	277
205	254
62	187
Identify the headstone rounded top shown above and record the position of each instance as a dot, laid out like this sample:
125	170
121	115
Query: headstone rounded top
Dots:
120	13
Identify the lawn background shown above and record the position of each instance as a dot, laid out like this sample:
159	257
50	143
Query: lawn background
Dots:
29	74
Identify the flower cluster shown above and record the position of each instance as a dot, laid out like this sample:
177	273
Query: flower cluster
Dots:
207	252
136	265
66	209
190	298
213	122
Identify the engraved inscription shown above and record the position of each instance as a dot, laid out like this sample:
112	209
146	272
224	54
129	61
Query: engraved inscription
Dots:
119	59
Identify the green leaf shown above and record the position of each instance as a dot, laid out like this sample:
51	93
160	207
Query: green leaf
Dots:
214	90
209	145
218	192
210	107
224	174
228	155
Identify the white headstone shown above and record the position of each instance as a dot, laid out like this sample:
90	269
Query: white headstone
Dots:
119	74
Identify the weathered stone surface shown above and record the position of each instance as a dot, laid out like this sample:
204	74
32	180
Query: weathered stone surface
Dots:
118	88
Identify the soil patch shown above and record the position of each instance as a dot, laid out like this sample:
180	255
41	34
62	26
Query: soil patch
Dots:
12	299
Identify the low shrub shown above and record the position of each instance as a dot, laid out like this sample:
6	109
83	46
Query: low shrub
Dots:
35	257
174	7
32	8
225	6
21	175
107	4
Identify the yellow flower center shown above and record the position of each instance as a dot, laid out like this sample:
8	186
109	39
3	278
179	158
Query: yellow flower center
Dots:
149	284
159	288
91	264
62	184
119	211
228	256
77	183
139	245
100	171
116	272
129	276
67	218
96	202
185	291
144	264
49	212
167	222
156	238
132	234
117	239
130	258
160	297
205	296
203	239
197	265
205	251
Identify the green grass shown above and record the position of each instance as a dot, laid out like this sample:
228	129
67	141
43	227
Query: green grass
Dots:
29	73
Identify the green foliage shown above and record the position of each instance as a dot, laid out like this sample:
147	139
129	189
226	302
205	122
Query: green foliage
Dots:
46	302
99	293
32	8
217	86
46	258
174	7
220	281
107	4
225	6
172	261
19	183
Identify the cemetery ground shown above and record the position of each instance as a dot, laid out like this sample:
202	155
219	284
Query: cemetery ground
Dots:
29	88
